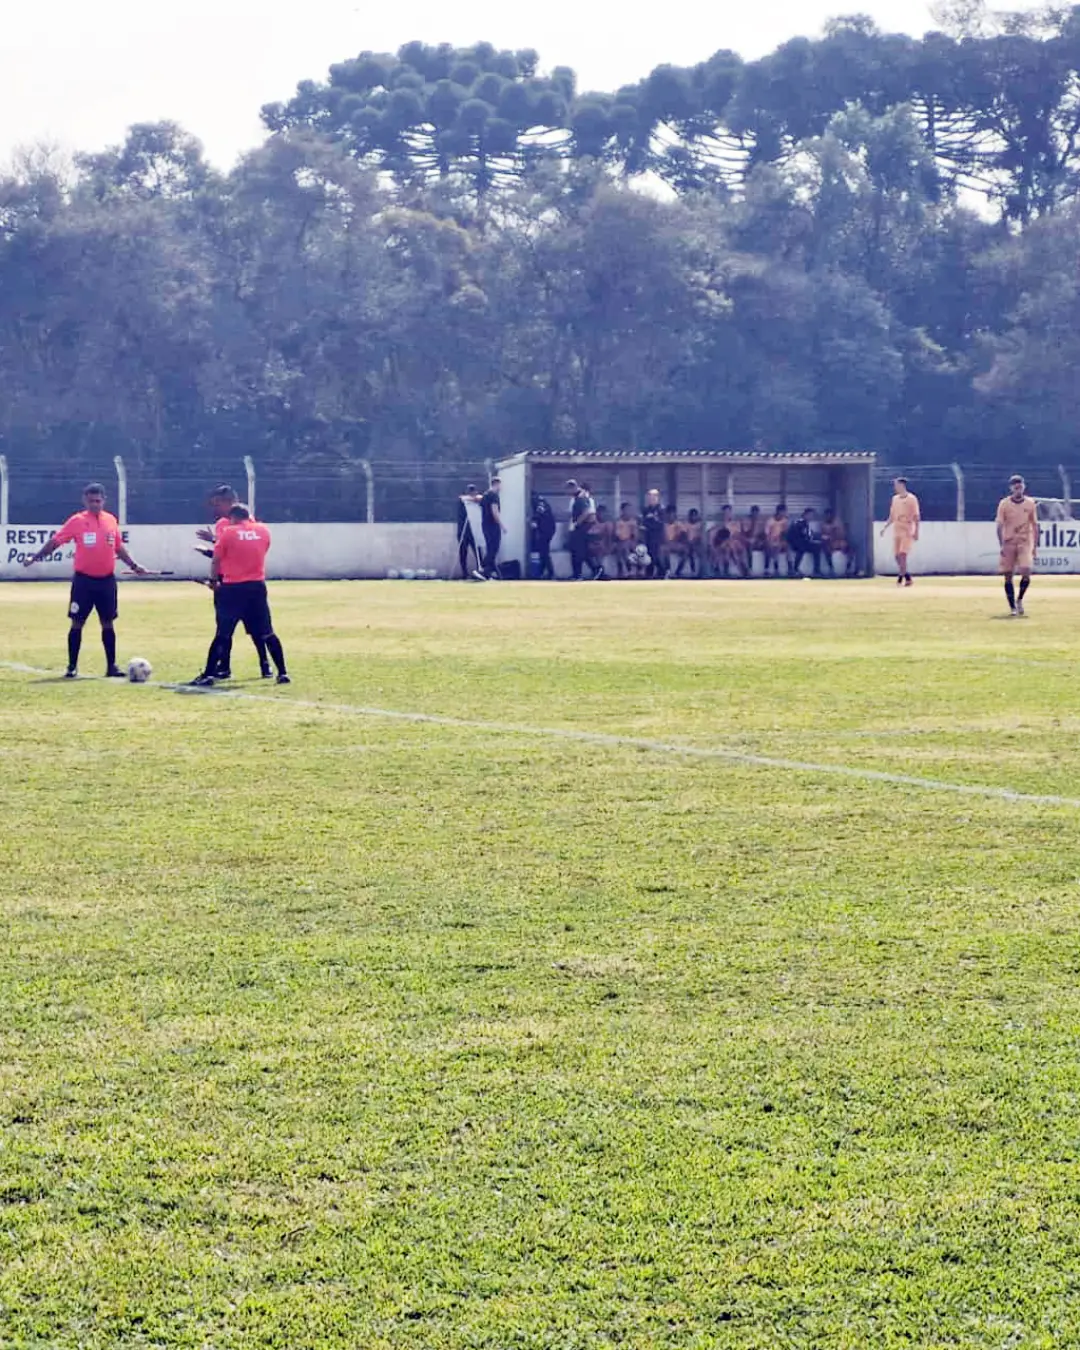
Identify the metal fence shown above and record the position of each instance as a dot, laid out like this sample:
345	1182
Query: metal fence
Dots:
394	490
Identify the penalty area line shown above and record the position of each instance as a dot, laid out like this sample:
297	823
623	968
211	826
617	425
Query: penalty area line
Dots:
613	741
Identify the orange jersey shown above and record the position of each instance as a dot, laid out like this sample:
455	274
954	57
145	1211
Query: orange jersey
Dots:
97	539
834	535
776	531
904	513
1018	521
222	523
626	530
241	550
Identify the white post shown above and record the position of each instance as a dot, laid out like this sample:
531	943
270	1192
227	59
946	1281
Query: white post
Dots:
365	467
1066	491
3	490
731	488
958	474
249	469
121	491
489	469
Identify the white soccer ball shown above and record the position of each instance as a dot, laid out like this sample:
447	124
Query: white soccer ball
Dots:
139	670
392	574
408	574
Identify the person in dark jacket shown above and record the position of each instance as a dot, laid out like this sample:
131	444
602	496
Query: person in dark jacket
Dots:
652	525
582	521
542	532
805	537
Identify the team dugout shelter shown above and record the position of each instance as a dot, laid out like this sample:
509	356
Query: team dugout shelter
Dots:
706	479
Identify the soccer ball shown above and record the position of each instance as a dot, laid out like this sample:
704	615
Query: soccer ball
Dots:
392	574
408	574
139	670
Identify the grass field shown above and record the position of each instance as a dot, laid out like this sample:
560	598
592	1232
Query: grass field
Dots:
325	1029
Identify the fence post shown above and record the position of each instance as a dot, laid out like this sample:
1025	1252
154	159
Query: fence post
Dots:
3	490
958	474
1066	491
121	491
489	469
369	478
249	469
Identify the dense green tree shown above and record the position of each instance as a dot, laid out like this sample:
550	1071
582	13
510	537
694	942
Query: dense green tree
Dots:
435	111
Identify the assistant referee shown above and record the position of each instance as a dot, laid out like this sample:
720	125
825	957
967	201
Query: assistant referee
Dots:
238	571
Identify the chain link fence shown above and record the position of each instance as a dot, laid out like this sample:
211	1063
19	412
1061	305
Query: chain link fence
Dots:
34	492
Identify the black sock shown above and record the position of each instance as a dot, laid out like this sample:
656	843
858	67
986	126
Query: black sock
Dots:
260	648
274	647
1010	594
108	641
1025	582
74	644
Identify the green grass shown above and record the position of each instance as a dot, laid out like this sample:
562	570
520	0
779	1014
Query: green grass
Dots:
324	1030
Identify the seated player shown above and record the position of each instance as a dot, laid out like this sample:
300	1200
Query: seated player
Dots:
601	538
834	540
1018	536
695	543
626	538
752	529
675	541
738	555
776	540
719	540
639	563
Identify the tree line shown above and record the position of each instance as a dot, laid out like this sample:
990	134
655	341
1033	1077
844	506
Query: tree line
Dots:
444	255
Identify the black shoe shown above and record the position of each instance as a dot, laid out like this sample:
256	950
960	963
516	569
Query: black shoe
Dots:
115	673
223	675
283	679
71	673
266	672
201	682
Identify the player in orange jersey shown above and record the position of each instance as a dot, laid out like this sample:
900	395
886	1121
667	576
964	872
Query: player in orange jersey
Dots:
904	519
1018	536
239	572
98	544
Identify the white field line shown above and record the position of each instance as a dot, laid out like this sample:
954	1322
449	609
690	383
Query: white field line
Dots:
614	742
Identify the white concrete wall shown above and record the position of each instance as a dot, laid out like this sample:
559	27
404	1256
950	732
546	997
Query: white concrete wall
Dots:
952	548
298	551
357	550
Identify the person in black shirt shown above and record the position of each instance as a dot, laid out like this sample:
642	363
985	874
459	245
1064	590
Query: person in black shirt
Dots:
582	520
464	531
493	528
543	532
652	524
805	537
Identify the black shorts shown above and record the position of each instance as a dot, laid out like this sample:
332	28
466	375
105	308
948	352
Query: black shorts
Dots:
217	615
90	593
245	602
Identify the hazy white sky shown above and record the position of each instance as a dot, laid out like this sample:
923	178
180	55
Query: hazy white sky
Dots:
78	73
